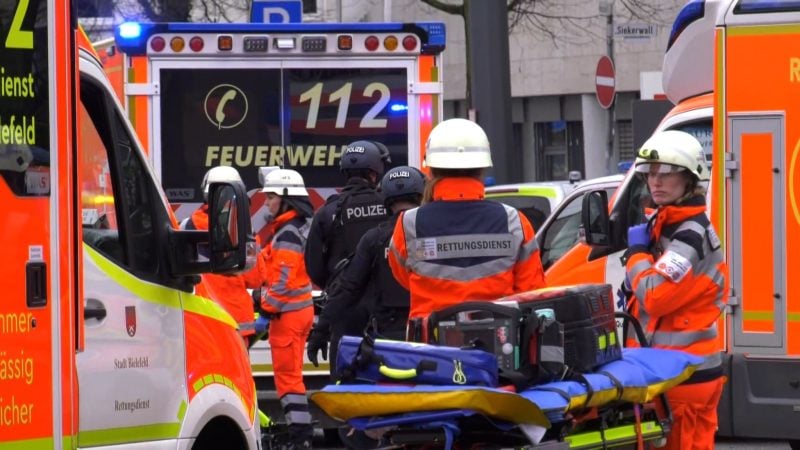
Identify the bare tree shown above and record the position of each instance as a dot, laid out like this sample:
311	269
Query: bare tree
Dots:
547	19
94	14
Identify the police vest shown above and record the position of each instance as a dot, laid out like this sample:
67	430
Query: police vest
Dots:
390	295
357	212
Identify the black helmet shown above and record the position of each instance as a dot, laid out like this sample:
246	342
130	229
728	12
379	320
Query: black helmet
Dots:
364	155
402	182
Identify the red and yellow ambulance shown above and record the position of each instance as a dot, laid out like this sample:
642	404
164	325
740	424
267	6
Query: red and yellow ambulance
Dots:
102	343
754	102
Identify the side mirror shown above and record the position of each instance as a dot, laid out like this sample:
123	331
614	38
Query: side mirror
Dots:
594	219
233	247
228	245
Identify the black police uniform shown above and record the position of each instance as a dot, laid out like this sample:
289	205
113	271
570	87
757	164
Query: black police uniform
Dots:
368	281
335	232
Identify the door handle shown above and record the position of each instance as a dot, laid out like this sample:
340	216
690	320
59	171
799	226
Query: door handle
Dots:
94	310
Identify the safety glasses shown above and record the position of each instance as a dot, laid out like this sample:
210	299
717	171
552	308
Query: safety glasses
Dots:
654	168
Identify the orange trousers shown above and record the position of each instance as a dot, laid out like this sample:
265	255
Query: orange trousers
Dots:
694	415
287	340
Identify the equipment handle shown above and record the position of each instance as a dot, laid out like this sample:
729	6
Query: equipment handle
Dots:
397	374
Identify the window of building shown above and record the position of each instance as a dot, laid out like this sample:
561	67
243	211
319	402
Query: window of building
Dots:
309	6
559	149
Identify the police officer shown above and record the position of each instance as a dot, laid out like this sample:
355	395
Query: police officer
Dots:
368	278
458	246
339	225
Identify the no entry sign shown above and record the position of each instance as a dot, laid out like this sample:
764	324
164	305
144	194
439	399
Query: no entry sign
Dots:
605	84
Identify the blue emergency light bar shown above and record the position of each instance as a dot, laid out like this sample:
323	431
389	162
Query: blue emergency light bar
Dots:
692	11
132	37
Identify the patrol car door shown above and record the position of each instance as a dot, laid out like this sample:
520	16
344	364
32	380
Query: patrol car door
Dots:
132	370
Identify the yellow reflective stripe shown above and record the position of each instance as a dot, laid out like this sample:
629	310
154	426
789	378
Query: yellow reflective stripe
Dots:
157	294
718	179
758	315
526	191
323	366
769	315
112	436
208	308
215	378
35	444
613	436
182	410
762	30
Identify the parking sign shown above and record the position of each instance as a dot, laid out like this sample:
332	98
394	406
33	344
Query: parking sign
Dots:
276	11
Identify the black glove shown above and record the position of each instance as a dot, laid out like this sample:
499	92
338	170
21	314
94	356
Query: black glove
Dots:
317	342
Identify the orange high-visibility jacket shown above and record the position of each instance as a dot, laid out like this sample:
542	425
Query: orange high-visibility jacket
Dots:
460	247
230	291
288	287
679	284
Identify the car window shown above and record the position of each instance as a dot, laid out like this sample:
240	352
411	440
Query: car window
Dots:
116	198
535	208
564	230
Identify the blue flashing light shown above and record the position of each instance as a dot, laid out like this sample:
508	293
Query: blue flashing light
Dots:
436	37
398	107
130	30
624	166
489	181
693	11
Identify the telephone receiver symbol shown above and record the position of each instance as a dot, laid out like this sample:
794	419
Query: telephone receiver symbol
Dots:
220	113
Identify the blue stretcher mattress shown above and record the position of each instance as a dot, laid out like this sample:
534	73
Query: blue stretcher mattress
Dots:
641	375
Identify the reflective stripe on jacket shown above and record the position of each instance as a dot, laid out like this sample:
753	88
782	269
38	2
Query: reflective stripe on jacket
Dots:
288	287
679	286
460	247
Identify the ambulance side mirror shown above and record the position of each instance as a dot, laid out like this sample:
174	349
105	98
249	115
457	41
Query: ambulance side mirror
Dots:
594	218
227	247
232	244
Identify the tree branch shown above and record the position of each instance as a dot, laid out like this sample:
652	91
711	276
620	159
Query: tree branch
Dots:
449	8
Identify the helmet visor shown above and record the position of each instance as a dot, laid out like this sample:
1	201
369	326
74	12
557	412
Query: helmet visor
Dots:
653	168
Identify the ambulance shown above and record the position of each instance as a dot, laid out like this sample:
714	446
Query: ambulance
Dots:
102	344
753	198
292	95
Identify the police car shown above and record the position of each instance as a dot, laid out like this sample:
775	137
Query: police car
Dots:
535	200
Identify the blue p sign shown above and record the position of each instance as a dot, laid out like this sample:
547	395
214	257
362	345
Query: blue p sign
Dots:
276	11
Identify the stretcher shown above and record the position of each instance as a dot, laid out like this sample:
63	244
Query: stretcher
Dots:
621	402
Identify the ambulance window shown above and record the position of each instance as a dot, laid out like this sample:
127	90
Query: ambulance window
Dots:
564	230
25	105
703	132
762	6
116	197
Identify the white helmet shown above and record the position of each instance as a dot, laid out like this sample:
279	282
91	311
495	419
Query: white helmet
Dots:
226	174
458	144
285	182
673	151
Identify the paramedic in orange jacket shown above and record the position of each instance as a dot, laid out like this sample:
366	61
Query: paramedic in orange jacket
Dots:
678	277
230	291
287	296
458	246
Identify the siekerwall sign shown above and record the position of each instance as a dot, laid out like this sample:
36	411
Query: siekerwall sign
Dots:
635	30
